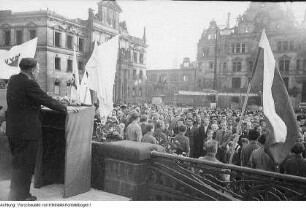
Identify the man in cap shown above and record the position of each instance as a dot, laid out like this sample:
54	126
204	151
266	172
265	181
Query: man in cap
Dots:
24	99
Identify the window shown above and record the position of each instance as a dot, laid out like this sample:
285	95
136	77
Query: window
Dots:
284	64
19	37
233	48
57	87
298	64
291	45
236	83
205	51
57	63
32	34
128	72
141	58
140	75
224	66
69	42
69	65
135	57
57	39
7	37
134	75
211	65
80	65
129	92
285	45
81	44
238	48
236	66
243	48
279	45
304	64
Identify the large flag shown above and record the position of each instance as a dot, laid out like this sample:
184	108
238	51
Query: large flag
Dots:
75	84
9	60
277	106
101	68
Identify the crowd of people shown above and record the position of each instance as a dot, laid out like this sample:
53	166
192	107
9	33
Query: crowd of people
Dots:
204	133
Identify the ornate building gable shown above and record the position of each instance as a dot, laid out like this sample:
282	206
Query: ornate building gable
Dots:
110	4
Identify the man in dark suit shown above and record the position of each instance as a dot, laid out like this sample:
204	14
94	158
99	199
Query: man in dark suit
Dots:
24	99
223	136
200	138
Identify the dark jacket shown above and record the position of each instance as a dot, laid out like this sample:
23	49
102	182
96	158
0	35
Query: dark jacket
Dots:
296	165
24	100
247	151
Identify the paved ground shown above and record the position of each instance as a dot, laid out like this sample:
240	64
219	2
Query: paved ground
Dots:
54	192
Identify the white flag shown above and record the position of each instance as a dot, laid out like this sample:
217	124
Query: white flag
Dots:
75	87
101	68
9	60
85	95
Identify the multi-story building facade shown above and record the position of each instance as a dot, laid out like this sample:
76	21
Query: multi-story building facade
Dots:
226	56
58	35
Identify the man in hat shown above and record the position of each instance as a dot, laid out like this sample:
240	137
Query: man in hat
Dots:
134	132
24	99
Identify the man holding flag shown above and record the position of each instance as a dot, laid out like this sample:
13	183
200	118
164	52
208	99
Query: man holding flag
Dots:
277	107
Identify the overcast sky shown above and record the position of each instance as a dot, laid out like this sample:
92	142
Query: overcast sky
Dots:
173	28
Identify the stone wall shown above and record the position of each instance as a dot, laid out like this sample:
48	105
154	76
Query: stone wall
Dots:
121	167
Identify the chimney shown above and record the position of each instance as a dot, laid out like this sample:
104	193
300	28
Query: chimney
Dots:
228	20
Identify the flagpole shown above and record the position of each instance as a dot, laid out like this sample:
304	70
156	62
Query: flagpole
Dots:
244	107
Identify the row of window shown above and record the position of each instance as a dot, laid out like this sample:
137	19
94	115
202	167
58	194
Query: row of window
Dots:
285	45
58	64
127	55
236	82
69	41
19	36
284	65
183	78
134	75
236	48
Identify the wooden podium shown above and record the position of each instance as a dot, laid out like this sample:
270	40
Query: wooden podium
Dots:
64	154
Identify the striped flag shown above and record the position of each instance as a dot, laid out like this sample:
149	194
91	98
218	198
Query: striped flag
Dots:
277	106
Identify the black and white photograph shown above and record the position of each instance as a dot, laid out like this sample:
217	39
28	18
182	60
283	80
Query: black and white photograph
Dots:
122	100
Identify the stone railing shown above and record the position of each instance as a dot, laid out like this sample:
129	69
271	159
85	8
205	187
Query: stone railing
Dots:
136	171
